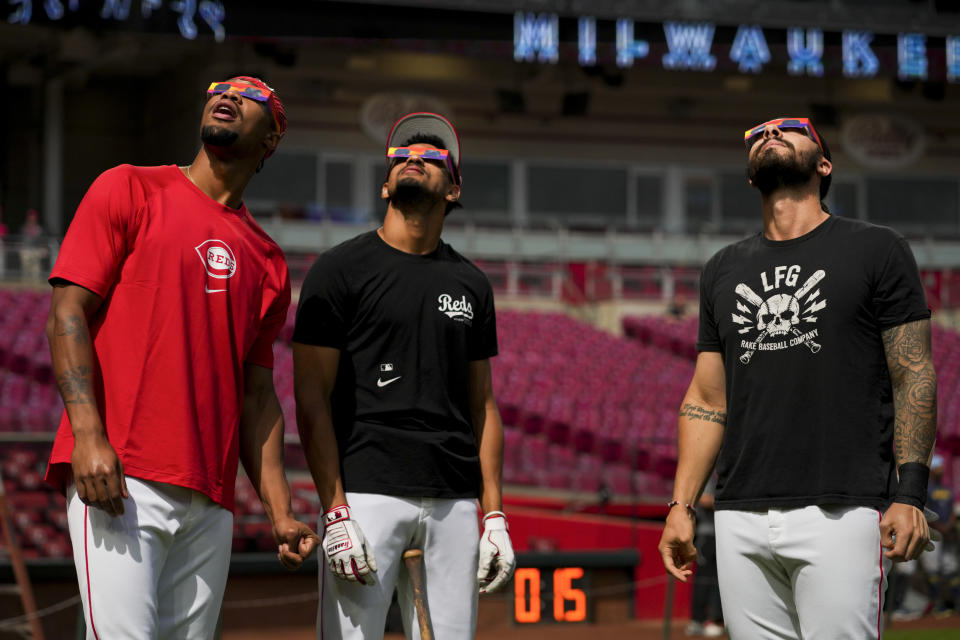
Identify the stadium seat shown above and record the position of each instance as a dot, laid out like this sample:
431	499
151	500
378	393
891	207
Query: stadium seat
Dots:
582	408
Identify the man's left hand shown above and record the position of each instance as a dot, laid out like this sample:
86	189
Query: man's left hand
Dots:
904	532
295	542
497	560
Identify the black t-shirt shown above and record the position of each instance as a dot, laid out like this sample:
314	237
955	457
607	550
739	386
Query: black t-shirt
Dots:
407	327
809	400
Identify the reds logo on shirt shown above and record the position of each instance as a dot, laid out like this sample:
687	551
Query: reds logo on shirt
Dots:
456	309
217	258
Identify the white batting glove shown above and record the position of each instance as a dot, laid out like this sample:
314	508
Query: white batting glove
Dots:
497	560
349	556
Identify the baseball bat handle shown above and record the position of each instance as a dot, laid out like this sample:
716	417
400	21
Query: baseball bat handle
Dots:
413	559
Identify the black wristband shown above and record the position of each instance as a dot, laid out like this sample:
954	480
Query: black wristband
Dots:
913	484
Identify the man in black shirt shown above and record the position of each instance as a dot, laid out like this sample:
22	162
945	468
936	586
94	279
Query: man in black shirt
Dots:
815	375
395	406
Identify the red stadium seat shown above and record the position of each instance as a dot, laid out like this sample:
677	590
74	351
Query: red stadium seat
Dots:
29	500
565	389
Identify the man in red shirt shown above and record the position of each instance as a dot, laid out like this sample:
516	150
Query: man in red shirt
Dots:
167	299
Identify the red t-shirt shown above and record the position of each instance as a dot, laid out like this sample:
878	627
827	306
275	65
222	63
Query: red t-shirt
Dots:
192	290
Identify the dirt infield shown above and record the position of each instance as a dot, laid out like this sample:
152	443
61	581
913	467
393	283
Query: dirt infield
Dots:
634	630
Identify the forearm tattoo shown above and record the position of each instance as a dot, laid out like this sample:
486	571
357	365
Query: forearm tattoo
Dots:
696	412
76	327
910	361
75	385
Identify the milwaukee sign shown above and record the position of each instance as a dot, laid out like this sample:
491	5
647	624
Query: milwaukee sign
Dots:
692	46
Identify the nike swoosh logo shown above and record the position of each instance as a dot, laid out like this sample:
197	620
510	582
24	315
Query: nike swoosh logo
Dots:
383	383
209	290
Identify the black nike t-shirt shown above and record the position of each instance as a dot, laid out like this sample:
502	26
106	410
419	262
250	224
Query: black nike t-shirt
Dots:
407	327
809	399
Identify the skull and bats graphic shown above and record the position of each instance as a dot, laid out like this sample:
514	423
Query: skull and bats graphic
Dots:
780	314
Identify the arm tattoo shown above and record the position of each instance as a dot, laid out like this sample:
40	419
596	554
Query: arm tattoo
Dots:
76	326
696	412
914	382
75	386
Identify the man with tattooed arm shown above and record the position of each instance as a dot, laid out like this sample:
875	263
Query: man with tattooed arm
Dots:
815	396
167	299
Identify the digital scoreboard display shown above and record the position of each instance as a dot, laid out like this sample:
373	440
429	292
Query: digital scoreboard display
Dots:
562	587
567	587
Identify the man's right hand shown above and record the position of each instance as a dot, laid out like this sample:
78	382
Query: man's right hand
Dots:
904	532
98	473
348	554
676	544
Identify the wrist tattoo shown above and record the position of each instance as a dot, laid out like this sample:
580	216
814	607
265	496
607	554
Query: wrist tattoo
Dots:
75	386
696	412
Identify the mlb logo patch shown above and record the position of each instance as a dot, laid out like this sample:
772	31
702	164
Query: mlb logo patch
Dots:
385	367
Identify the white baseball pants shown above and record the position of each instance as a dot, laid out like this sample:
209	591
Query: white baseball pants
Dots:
816	573
156	572
448	533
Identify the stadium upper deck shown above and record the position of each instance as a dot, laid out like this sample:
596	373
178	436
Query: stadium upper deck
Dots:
644	137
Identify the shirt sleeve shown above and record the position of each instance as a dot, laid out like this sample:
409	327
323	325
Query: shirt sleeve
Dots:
261	353
484	340
708	333
323	312
898	296
101	232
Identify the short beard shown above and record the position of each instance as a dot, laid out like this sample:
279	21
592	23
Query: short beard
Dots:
769	172
215	136
410	194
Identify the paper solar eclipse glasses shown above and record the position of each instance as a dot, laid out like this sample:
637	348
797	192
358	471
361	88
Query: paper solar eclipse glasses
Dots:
439	157
801	125
245	90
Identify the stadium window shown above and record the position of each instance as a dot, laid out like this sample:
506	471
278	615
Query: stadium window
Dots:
577	195
914	205
487	187
649	200
287	178
698	203
338	190
844	199
739	202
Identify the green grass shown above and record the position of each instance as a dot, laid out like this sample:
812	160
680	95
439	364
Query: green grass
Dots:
922	634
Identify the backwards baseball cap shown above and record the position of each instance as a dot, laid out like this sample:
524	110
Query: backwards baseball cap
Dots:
273	102
431	124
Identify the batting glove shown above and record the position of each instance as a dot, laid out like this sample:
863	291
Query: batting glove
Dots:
497	560
347	551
